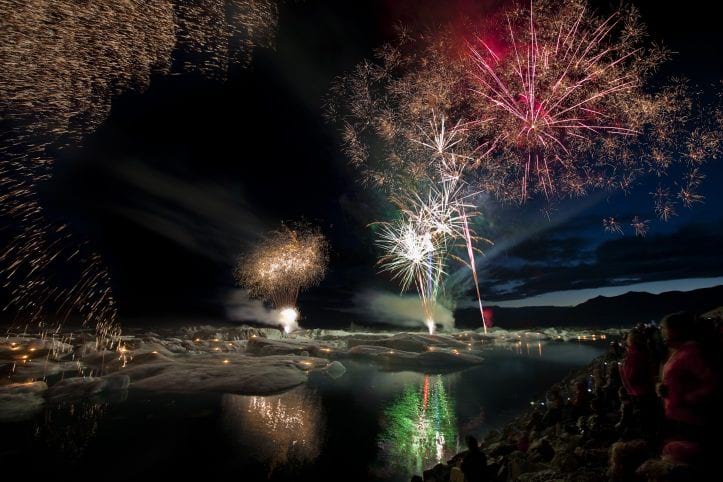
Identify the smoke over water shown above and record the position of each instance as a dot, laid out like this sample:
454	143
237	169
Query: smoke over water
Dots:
239	307
402	310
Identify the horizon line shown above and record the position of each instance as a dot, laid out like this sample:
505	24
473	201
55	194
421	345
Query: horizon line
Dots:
571	298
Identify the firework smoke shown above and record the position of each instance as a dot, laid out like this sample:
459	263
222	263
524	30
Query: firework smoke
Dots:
240	307
404	310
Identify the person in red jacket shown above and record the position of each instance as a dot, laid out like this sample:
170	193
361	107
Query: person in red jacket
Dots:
689	380
636	370
638	373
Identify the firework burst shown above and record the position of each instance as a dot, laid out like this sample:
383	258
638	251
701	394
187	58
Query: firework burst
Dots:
664	204
420	243
285	263
561	91
640	226
547	99
397	113
612	225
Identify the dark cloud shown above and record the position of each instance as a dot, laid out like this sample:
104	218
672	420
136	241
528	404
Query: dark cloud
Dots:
549	248
547	263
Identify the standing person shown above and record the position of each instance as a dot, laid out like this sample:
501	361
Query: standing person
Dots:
638	373
689	381
637	370
474	463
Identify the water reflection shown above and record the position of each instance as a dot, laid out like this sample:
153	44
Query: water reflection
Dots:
526	347
420	426
279	430
68	429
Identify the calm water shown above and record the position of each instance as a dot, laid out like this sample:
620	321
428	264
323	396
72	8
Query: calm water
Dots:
367	425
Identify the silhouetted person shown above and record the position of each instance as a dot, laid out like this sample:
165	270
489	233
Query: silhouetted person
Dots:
523	441
612	385
580	401
626	424
553	404
474	463
689	381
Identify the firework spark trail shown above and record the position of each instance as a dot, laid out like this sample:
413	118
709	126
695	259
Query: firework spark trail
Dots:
442	141
285	263
664	205
61	64
417	246
688	194
611	225
640	226
411	257
473	267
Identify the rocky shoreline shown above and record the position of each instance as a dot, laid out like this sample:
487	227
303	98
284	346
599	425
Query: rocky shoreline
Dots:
593	441
551	454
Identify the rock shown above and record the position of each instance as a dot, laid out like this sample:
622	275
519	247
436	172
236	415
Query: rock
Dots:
35	369
661	469
541	476
237	374
625	457
438	473
116	383
500	449
518	464
410	342
493	436
81	387
21	401
265	347
335	370
439	359
502	472
394	358
587	475
565	462
76	388
541	451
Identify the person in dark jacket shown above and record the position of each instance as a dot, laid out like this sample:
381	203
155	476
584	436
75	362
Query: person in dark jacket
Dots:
474	463
580	400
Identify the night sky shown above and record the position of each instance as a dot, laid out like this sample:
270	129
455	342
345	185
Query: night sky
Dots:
181	177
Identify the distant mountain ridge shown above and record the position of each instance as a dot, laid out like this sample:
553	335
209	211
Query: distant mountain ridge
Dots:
601	311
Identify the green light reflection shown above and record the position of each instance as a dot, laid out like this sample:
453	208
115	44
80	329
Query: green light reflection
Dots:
421	427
